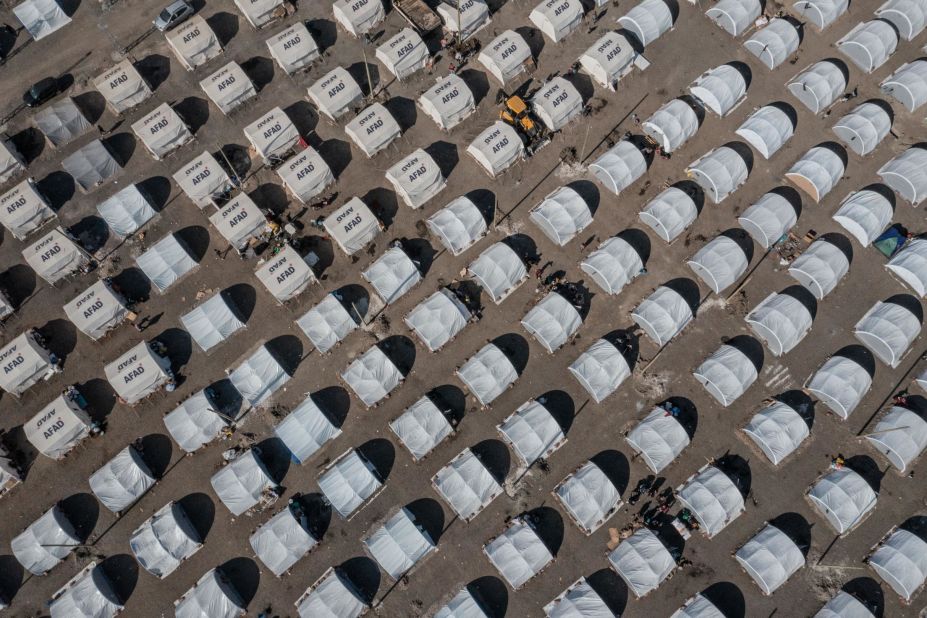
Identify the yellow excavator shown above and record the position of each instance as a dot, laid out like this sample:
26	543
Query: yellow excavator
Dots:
517	113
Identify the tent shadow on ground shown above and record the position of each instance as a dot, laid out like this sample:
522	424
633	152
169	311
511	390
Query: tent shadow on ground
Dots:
688	290
494	455
195	239
801	402
57	188
361	72
589	192
867	591
337	154
737	469
224	25
533	38
11	577
578	295
429	515
910	303
561	407
491	594
611	589
788	110
134	285
638	240
30	143
319	512
791	195
383	203
121	146
242	297
615	466
745	153
179	346
743	69
524	246
803	296
334	402
697	107
860	355
516	349
122	572
271	196
83	511
323	249
688	414
445	155
403	111
728	598
401	352
796	528
750	347
381	454
485	201
837	149
260	71
884	191
548	524
469	293
841	242
917	404
868	468
303	116
286	350
100	398
419	251
91	104
324	31
154	69
91	232
364	574
584	85
694	191
60	337
743	240
156	450
201	511
670	538
227	397
20	448
244	576
234	159
18	283
276	458
157	189
355	299
194	111
451	400
477	82
627	343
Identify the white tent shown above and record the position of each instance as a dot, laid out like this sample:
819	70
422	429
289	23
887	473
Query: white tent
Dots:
497	148
820	268
466	485
162	131
719	172
404	53
305	430
10	475
609	59
472	15
285	275
273	135
774	43
282	540
294	48
908	16
613	264
556	19
869	44
767	130
781	321
844	498
670	213
240	222
648	21
195	422
138	373
373	129
165	262
392	274
601	369
844	605
421	427
499	270
372	376
714	499
348	482
212	322
122	480
449	102
720	89
908	84
770	558
459	225
399	544
194	43
768	219
306	174
55	256
213	595
888	330
518	553
438	319
241	484
672	125
259	12
532	432
327	323
900	435
553	321
864	127
840	384
165	540
777	430
906	174
818	85
588	496
821	13
864	215
258	377
91	165
662	315
659	438
901	562
41	18
126	211
488	373
122	86
61	121
416	178
331	595
463	605
557	103
203	180
97	310
46	542
89	594
352	226
734	16
11	162
642	561
719	263
699	606
619	166
358	16
578	601
726	374
58	427
336	92
25	361
23	210
506	56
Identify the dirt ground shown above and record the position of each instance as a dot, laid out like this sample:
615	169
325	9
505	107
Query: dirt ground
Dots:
96	39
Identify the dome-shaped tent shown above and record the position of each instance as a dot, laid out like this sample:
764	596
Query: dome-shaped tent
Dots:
910	265
556	19
497	148
820	267
901	561
901	435
416	178
449	102
768	219
601	369
328	322
840	384
818	86
613	264
908	84
908	16
821	13
670	213
372	376
663	314
499	271
726	374
864	127
719	172
864	215
869	44
552	321
888	329
532	432
817	172
557	103
165	540
721	89
844	605
713	498
719	263
619	167
458	225
608	59
659	438
642	561
487	373
562	215
781	321
734	16
773	44
648	21
438	319
844	498
906	174
767	130
770	558
506	56
777	430
672	125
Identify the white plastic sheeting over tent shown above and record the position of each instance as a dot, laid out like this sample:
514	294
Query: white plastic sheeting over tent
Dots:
126	211
294	48
777	430
648	21
726	374
532	432
818	85
821	13
358	16
306	174
505	57
556	19
672	125
472	15
844	498
138	373
372	376
557	103
888	329
392	274
331	595
820	268
194	43
770	558
240	221
864	215
906	174
373	129
399	544
901	562
162	131
55	256
908	16
58	427
11	162
259	12
416	178
305	430
497	148
619	166
670	213
41	18
458	225
719	172
900	435
336	92
286	275
613	264
282	540
840	384
195	422
61	121
212	322
97	310
659	438
774	43
272	135
91	165
663	315
203	180
869	44
122	86
122	480
642	561
348	482
466	485
588	496
165	262
258	377
352	226
213	595
449	102
768	219
713	498
165	540
578	601
499	271
553	321
698	606
518	553
403	54
463	605
609	59
719	263
601	369
242	482
734	16
89	594
721	89
488	373
46	542
421	427
327	323
767	130
908	84
781	321
438	319
864	127
844	605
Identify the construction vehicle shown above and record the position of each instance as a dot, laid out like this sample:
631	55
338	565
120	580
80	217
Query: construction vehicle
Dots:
517	113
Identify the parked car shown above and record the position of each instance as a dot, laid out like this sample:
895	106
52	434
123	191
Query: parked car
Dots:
174	14
41	91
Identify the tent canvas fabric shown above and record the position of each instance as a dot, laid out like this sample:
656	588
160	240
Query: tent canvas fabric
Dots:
126	211
719	263
416	178
726	374
648	21
281	541
906	174
506	56
11	161
777	430
518	553
672	125
770	558
818	85
58	427
285	275
781	321
421	427
720	172
352	226
463	605
869	44
438	319
901	436
669	213
557	103
97	310
820	268
195	422
193	42
327	323
122	86
642	561
532	432
122	480
578	601
561	215
908	84
553	321
203	180
863	128
305	430
734	16
306	174
713	498
613	264
399	544
901	562
662	315
700	607
212	322
138	373
162	131
588	496
768	219
55	256
358	16
294	48
165	262
213	595
908	16
258	377
864	215
41	18
619	167
821	13
767	130
499	270
392	275
840	384
844	498
487	374
774	43
45	542
331	595
556	19
91	166
373	129
165	540
888	329
404	53
844	605
473	16
459	225
240	221
466	485
336	92
497	148
601	369
720	89
609	59
272	135
348	482
89	593
372	376
240	484
449	102
258	12
24	362
61	121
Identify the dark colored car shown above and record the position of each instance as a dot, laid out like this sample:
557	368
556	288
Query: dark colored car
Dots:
41	91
